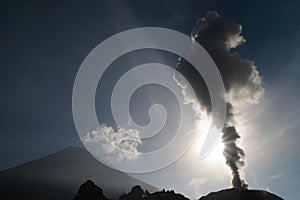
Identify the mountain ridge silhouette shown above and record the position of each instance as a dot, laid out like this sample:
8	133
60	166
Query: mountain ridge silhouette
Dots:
88	190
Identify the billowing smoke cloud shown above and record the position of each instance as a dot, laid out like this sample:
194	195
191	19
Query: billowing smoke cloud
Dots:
118	144
220	36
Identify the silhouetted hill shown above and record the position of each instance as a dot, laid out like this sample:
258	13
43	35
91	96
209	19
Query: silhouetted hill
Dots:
57	176
238	194
90	191
137	193
166	195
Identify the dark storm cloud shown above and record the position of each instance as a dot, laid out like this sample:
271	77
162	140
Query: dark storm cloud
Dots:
219	36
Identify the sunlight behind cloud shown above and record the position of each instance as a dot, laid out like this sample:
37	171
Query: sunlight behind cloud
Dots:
216	155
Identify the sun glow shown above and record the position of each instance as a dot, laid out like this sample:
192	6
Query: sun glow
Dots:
216	154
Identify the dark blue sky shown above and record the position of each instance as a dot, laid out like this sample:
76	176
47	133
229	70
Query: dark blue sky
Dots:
44	42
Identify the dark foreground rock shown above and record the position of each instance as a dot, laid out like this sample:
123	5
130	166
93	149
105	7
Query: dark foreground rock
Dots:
137	193
89	191
237	194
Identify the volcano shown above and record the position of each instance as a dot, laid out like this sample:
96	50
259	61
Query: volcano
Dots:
58	176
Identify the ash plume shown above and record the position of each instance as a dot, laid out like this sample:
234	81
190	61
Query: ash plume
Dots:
220	36
233	154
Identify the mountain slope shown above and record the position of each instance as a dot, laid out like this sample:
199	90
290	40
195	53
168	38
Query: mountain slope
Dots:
58	176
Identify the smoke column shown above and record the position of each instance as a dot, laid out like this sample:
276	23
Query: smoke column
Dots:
220	36
233	154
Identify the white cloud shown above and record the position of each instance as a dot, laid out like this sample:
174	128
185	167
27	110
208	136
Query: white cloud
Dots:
118	144
197	181
188	94
275	177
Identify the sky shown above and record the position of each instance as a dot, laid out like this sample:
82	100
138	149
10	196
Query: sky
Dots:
44	43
